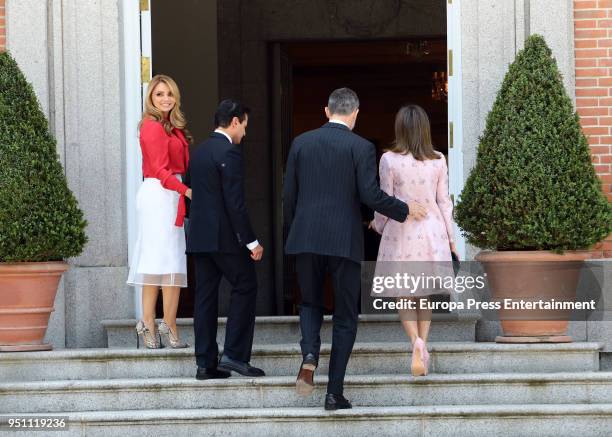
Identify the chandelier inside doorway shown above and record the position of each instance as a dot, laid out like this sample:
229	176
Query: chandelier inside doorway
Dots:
439	86
424	49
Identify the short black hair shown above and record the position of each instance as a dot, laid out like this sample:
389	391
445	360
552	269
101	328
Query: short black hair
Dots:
343	101
227	110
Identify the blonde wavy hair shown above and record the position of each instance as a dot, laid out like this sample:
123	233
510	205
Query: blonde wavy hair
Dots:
413	134
176	118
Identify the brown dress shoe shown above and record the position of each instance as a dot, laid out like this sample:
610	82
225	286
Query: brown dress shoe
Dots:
305	380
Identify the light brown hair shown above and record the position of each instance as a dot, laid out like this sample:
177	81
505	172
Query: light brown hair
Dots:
413	134
176	118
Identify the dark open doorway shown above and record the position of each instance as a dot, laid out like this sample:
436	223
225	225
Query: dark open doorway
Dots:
385	75
387	54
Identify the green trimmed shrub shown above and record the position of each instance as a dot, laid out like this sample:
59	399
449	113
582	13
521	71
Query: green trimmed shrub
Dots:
533	186
39	216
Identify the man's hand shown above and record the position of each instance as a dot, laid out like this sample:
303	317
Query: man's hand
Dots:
188	193
257	253
416	210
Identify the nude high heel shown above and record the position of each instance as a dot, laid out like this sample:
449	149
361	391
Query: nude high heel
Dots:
426	359
417	366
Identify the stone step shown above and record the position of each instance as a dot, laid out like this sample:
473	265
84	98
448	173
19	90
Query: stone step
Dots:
284	360
464	420
279	392
286	329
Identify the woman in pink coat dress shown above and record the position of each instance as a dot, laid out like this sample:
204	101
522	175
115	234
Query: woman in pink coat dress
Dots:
413	170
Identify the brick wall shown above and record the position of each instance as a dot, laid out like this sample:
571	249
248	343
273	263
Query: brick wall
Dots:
2	27
593	49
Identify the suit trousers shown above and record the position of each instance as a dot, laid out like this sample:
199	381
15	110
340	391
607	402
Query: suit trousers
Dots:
239	270
346	276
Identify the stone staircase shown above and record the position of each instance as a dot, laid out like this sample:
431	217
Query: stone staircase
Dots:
473	389
286	329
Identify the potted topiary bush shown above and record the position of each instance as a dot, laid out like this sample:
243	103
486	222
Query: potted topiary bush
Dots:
40	222
533	198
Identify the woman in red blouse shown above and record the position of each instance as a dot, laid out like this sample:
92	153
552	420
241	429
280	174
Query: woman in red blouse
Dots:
159	256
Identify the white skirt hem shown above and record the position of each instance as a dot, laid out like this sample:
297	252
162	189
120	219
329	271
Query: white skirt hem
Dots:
159	254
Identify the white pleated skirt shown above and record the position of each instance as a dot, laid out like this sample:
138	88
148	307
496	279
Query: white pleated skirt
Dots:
159	256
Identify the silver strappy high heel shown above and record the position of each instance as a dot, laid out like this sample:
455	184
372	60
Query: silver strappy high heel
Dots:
148	338
169	338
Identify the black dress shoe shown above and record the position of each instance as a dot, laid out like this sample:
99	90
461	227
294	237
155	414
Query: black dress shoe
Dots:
245	369
336	402
211	373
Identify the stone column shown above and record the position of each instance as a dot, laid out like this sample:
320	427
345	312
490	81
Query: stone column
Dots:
95	288
70	51
34	40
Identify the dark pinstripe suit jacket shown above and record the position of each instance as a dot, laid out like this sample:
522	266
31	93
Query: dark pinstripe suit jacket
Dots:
330	171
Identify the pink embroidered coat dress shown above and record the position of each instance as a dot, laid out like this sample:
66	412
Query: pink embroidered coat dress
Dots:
427	239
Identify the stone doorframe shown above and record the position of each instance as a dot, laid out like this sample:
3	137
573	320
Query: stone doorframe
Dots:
484	36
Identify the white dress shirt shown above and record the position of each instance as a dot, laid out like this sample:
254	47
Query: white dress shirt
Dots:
333	120
255	243
219	131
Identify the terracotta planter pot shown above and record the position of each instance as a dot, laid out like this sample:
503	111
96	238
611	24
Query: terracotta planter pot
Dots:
531	276
27	294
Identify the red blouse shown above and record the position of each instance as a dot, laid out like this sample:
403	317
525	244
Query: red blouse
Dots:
163	156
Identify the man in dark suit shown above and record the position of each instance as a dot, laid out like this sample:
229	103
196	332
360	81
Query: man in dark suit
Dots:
330	172
223	244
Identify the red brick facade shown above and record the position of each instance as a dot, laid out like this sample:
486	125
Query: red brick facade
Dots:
2	27
593	50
